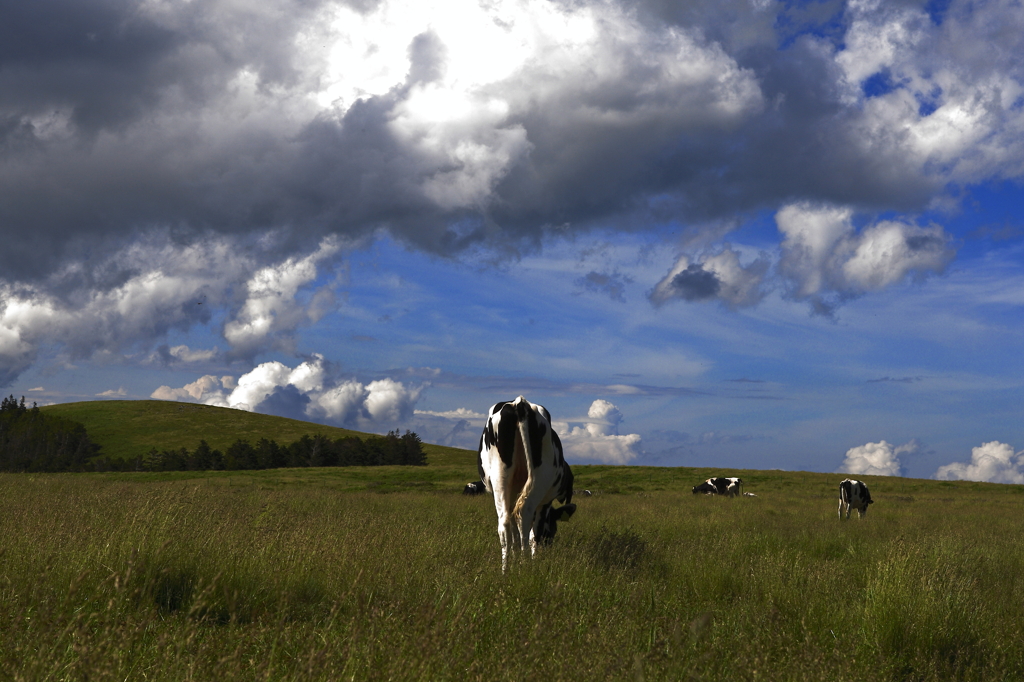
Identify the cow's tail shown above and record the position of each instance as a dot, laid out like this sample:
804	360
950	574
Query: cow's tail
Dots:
523	410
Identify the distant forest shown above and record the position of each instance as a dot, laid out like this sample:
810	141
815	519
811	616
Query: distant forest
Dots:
33	441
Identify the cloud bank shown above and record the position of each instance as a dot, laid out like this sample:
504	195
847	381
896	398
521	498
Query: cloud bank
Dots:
994	462
304	392
164	164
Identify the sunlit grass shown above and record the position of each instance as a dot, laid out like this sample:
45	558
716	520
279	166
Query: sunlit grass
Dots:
310	574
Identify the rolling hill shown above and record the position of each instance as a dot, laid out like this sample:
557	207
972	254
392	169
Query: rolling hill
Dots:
127	428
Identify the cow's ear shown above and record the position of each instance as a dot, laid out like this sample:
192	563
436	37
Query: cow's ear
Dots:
564	512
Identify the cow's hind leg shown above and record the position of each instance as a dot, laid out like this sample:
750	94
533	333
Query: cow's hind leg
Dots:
505	535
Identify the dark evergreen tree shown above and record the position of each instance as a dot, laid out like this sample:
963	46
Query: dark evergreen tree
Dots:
33	441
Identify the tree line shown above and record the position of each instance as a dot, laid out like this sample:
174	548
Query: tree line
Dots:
33	441
308	451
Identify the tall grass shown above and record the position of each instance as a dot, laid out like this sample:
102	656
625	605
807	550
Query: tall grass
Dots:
213	578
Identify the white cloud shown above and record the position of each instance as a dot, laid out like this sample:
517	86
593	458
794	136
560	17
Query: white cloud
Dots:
344	402
112	393
598	439
306	391
950	110
994	462
270	304
173	287
205	389
459	413
183	353
388	400
876	459
823	254
474	70
606	418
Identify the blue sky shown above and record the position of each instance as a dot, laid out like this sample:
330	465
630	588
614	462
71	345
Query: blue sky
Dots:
745	235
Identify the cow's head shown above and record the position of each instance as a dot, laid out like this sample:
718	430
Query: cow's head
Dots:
547	525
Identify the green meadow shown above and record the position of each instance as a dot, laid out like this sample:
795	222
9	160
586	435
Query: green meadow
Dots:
131	428
390	573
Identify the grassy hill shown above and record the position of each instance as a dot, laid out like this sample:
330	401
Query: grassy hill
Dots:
127	428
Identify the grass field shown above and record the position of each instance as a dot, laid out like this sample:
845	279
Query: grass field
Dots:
130	428
390	573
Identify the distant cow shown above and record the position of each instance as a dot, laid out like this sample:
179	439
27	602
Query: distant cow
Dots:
705	488
475	488
520	461
719	485
854	495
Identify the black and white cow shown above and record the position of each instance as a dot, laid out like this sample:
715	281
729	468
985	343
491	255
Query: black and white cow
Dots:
719	485
520	461
474	488
705	488
854	495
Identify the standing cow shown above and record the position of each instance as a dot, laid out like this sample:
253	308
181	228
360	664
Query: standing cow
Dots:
854	495
520	461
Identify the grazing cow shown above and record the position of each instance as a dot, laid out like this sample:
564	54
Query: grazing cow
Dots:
520	461
720	485
705	488
475	488
854	495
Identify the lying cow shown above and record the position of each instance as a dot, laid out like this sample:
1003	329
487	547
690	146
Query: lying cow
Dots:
475	488
719	485
520	461
706	487
854	495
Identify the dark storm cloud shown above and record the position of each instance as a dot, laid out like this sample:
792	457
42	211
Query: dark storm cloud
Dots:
116	118
695	283
132	133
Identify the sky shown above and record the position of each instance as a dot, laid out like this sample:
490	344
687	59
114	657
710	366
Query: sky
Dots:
722	233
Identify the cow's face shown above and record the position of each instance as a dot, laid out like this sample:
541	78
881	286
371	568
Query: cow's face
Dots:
547	526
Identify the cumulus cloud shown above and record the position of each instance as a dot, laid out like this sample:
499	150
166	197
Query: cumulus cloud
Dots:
994	462
825	259
270	302
876	459
306	391
598	440
718	276
140	293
